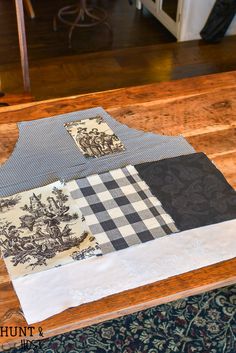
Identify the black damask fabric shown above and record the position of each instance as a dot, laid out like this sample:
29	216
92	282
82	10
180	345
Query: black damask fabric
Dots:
191	189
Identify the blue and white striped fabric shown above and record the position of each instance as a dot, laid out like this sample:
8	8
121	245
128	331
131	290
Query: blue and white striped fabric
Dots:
45	152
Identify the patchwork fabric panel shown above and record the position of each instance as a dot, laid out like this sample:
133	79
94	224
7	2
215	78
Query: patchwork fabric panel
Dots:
43	228
94	137
120	209
191	189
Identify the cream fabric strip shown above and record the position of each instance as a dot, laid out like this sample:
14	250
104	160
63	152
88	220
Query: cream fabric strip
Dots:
50	292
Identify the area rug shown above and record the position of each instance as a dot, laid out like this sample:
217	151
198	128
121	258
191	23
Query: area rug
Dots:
203	323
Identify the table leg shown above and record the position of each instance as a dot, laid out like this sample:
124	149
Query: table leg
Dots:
22	44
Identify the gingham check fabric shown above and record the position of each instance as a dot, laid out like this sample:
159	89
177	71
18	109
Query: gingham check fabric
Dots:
120	209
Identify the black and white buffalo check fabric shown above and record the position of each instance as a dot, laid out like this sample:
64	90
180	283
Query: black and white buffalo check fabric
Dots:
120	209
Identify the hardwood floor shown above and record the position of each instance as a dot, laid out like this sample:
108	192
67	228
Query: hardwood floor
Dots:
141	52
130	28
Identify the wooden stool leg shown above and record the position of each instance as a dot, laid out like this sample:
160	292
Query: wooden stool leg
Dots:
22	44
29	8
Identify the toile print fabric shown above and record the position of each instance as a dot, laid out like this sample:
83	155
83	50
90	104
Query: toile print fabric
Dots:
43	228
191	189
94	137
120	209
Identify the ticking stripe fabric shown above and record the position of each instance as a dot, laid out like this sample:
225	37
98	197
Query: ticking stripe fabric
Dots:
120	209
191	189
45	152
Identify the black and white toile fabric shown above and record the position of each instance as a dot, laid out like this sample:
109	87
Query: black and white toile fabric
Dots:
43	228
94	137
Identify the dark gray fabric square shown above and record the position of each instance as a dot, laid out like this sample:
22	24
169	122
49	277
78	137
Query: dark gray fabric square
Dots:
88	191
111	184
108	225
98	207
121	201
119	244
133	218
145	236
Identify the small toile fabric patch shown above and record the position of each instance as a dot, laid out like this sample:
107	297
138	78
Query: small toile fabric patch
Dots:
120	209
94	137
41	229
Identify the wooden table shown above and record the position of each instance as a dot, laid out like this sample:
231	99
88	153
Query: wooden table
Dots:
203	110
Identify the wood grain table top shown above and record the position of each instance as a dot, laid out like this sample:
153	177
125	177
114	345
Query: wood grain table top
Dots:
203	110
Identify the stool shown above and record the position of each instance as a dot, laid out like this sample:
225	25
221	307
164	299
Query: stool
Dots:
83	16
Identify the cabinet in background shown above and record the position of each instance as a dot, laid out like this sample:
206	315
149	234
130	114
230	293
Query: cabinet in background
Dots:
183	18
